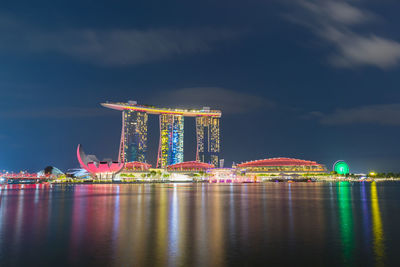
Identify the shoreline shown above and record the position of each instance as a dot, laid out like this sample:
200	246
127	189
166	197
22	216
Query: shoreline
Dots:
378	180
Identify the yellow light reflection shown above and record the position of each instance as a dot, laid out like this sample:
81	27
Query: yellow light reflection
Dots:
379	249
162	226
217	230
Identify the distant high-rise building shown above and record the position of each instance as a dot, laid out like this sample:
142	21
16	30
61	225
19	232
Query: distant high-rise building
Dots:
207	133
133	145
170	149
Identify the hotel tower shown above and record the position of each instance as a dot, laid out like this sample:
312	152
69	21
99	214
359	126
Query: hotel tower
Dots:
133	145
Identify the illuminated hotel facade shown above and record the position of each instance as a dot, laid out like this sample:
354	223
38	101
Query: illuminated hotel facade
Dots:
170	150
133	146
207	134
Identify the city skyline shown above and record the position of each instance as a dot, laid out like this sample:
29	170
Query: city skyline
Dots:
199	133
316	82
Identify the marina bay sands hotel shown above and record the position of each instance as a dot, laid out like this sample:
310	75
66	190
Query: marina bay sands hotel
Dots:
133	144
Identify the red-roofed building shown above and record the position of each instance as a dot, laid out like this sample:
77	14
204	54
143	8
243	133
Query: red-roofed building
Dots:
281	165
137	166
190	166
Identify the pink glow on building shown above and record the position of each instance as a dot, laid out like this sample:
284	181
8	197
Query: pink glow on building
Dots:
97	167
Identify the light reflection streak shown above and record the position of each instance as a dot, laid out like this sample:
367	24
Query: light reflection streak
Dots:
130	243
366	215
201	219
173	228
3	209
216	229
20	216
162	224
379	249
116	220
36	194
264	204
244	212
346	221
182	216
332	201
232	213
78	221
139	234
290	210
50	202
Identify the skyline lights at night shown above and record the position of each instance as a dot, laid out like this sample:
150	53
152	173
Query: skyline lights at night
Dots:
312	81
199	133
133	144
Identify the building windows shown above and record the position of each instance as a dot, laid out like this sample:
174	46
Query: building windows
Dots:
170	149
207	135
134	137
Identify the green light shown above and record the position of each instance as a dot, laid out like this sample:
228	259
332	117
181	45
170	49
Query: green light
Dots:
346	221
341	167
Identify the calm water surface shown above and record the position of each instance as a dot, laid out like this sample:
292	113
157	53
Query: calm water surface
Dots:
270	224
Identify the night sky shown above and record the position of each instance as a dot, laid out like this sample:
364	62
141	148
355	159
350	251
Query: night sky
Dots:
316	80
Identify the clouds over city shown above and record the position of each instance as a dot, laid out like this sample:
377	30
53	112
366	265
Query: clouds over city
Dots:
344	25
229	101
386	114
53	113
111	47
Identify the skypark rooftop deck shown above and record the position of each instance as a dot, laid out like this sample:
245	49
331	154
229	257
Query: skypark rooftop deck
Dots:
157	111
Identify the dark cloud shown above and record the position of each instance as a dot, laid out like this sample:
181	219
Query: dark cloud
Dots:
53	113
388	114
229	101
129	47
334	21
115	47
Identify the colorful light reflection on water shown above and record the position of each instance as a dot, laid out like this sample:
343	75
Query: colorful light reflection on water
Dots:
201	225
346	220
377	227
